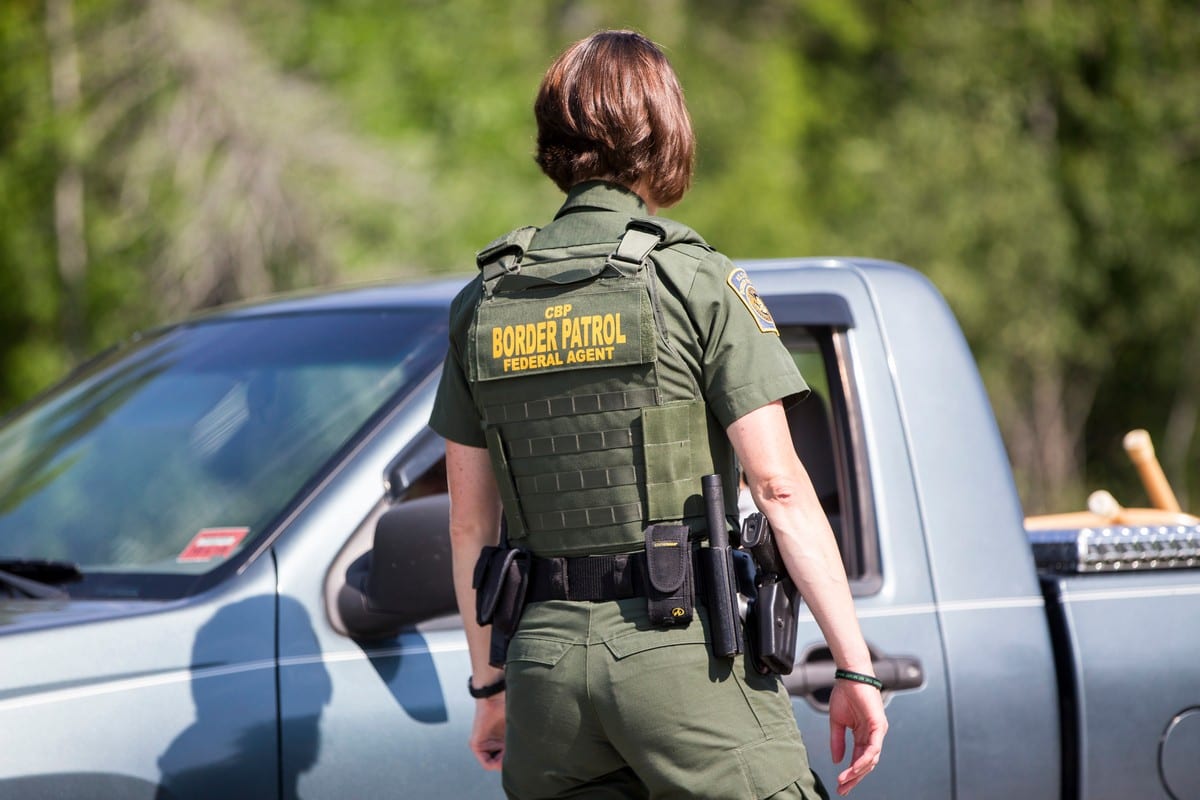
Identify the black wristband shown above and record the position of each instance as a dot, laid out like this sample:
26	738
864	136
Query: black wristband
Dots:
858	677
485	691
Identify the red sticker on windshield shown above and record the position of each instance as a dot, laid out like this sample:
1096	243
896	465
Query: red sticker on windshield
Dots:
211	543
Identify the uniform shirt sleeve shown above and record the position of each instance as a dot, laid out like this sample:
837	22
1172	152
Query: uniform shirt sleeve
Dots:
455	415
744	363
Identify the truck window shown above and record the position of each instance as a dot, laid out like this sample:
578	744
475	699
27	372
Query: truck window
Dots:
826	432
432	481
161	466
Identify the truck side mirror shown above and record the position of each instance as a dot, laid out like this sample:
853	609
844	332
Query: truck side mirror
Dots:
406	577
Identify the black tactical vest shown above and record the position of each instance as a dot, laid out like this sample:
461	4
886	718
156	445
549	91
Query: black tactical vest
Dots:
595	425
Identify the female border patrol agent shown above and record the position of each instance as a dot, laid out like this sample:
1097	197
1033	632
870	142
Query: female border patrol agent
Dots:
599	368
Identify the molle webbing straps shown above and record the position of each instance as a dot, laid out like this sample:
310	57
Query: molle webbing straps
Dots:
580	480
569	406
570	443
583	518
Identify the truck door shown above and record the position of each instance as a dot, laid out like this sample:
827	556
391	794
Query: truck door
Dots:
382	714
849	437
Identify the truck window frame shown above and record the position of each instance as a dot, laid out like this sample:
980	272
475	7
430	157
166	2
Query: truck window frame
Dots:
860	545
826	319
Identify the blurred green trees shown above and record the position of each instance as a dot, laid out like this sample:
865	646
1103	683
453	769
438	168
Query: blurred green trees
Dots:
1039	160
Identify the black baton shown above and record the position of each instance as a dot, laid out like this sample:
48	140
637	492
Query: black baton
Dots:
723	609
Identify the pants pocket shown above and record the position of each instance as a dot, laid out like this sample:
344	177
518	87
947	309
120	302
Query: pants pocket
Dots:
534	650
766	697
776	764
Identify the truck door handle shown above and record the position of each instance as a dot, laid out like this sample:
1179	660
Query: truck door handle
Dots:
813	674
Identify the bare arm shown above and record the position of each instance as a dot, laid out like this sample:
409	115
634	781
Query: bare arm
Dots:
474	523
783	491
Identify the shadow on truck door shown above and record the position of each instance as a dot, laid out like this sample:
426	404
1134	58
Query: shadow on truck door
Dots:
234	743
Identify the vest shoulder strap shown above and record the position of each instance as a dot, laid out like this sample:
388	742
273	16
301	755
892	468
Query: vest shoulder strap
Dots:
644	235
672	232
503	256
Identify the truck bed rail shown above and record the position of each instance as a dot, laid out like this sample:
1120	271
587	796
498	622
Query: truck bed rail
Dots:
1116	548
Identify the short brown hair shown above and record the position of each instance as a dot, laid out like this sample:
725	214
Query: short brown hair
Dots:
611	107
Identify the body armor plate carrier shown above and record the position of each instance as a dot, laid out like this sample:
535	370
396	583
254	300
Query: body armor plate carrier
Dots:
595	426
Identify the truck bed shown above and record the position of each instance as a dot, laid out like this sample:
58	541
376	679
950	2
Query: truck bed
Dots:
1124	607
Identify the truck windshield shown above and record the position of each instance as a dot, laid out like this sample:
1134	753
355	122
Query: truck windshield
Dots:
169	458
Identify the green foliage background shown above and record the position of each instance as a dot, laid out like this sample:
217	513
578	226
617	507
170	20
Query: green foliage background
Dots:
1039	160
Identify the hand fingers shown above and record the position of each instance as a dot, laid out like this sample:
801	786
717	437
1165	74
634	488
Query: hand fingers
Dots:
864	761
863	765
837	741
490	760
868	751
847	781
489	754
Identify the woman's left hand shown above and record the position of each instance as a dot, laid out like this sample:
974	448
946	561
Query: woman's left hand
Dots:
858	707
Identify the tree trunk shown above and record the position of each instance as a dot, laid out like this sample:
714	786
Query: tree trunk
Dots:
1181	422
70	241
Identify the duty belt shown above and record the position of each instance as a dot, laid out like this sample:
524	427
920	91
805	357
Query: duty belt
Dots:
592	578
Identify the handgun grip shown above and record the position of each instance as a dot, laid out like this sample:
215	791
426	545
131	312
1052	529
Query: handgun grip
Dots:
758	538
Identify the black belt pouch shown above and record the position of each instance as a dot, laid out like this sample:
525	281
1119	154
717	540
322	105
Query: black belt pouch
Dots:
488	580
501	580
670	594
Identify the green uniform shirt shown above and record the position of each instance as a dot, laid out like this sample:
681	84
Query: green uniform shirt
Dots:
711	315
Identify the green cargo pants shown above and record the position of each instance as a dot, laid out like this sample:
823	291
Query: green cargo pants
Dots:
602	705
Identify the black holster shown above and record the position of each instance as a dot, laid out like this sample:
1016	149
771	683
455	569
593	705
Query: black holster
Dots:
771	627
771	612
500	581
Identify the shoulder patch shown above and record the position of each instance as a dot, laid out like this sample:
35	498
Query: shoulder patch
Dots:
739	281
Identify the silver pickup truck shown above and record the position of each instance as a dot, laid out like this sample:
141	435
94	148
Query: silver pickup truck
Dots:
224	569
